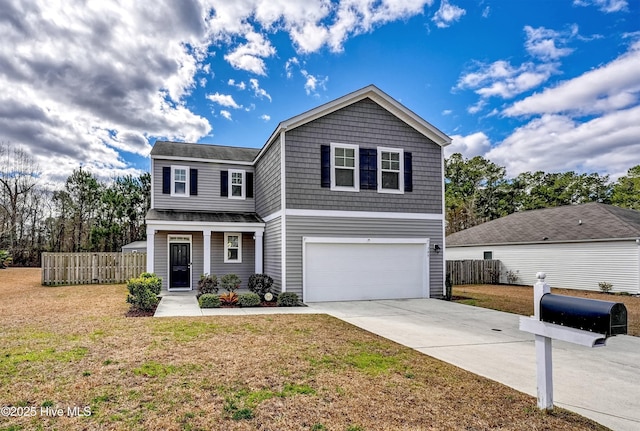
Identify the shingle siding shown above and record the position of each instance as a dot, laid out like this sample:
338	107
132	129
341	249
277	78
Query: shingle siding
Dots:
208	198
368	125
299	226
267	183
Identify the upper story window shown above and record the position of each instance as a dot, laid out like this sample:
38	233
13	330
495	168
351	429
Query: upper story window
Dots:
179	182
390	170
236	184
345	167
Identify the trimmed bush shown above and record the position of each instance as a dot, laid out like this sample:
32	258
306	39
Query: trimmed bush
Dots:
208	283
230	282
209	300
288	299
605	287
143	291
5	259
260	284
248	300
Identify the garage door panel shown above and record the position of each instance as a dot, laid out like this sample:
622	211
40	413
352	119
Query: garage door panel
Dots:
344	271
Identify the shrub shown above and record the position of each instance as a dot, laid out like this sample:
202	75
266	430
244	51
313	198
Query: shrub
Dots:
512	277
230	282
288	299
5	259
605	287
143	291
208	283
248	300
260	284
209	300
229	298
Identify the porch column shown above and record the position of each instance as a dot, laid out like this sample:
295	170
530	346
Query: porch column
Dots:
151	232
207	251
258	250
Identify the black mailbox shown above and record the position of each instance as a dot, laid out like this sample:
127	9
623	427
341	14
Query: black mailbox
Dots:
602	317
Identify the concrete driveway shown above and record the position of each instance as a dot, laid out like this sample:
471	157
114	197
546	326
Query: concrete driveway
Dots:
600	383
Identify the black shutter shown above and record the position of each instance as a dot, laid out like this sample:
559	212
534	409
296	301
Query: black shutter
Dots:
408	172
325	165
166	180
193	183
224	183
368	169
249	192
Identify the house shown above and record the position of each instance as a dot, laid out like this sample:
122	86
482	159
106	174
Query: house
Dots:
343	202
135	247
577	246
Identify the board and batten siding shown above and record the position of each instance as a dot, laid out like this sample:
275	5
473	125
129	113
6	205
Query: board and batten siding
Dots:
578	265
208	198
267	182
244	269
273	252
368	125
300	226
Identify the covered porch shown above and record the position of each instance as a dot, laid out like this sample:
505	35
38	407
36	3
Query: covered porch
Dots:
183	245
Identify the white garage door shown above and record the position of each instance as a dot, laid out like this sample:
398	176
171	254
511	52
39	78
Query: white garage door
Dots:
365	268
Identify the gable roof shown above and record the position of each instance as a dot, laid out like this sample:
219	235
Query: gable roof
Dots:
591	221
206	152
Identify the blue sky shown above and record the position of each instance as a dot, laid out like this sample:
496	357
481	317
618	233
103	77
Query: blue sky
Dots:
547	85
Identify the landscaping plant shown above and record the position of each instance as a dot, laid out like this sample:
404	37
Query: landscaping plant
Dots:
248	300
288	299
209	300
208	283
230	282
143	292
260	284
5	259
605	287
229	298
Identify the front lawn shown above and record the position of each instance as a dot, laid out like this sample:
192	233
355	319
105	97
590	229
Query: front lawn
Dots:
519	300
72	350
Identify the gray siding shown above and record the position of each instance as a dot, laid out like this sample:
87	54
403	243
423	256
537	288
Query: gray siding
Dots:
268	181
208	198
242	270
273	252
297	227
368	125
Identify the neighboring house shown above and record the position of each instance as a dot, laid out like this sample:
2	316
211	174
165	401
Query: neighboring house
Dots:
135	247
343	202
577	246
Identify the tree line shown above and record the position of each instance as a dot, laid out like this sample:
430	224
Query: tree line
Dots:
85	214
478	190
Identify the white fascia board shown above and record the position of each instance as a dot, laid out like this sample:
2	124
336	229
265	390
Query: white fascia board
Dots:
351	240
363	214
272	216
573	241
194	159
201	226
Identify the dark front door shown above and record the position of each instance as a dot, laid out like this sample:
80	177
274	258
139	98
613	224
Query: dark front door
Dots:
179	267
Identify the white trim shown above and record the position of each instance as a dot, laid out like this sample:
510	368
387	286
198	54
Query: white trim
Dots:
363	214
400	189
243	186
226	247
153	192
199	226
272	216
151	244
283	220
195	159
174	168
443	251
181	238
356	167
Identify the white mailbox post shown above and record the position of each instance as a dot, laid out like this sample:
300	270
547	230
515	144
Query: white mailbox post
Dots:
545	332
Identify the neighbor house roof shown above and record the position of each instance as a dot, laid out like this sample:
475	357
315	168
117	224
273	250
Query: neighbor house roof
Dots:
592	221
188	151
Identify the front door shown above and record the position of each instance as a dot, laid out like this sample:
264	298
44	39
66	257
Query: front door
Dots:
180	265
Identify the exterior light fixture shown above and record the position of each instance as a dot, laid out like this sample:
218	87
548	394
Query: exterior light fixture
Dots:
436	248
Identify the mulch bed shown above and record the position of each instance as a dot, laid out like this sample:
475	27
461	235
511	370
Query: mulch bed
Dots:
140	313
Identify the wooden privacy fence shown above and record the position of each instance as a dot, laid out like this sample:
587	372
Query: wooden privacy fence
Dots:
87	268
474	271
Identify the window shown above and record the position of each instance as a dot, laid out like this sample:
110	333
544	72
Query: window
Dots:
488	255
179	182
390	170
236	184
233	248
345	167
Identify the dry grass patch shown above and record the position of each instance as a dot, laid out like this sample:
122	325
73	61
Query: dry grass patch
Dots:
519	300
73	347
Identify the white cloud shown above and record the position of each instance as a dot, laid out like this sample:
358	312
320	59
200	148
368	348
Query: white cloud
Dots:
241	85
606	6
257	91
447	112
265	117
314	83
447	14
541	42
223	100
288	67
476	144
613	86
249	56
226	114
486	12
